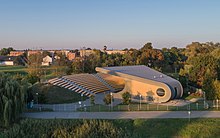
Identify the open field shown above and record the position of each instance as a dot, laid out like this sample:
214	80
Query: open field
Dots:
13	69
48	72
138	128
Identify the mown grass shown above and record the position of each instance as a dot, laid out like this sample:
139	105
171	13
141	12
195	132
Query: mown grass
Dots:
51	71
138	128
55	95
13	69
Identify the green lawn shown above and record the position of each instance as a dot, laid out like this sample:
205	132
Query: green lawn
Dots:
138	128
49	94
51	71
13	69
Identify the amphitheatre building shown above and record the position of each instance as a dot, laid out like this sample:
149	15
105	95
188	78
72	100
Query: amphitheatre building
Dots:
140	81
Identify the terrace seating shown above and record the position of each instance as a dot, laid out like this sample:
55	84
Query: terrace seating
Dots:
85	84
87	81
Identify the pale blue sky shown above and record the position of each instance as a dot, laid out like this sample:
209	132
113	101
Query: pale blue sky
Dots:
60	24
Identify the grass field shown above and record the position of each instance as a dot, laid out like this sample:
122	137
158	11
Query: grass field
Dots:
13	69
138	128
55	95
50	71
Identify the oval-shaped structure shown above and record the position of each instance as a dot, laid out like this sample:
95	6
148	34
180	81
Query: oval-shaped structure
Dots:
146	83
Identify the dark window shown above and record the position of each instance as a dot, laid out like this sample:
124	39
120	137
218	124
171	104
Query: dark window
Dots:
175	91
160	92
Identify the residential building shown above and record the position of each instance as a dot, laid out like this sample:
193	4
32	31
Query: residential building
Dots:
71	56
47	61
7	60
16	53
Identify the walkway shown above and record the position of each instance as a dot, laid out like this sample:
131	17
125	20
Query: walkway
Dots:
123	115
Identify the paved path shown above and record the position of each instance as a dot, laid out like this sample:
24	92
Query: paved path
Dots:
123	115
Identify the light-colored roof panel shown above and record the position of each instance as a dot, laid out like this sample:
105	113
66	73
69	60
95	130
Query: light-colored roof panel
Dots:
142	72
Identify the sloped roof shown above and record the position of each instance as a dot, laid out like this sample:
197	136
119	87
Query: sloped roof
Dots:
7	58
140	71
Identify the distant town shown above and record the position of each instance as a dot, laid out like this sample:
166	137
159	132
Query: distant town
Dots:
49	56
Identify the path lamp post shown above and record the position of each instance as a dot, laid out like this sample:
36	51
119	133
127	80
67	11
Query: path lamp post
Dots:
37	99
217	104
111	100
189	113
82	98
129	103
204	100
140	101
84	107
80	104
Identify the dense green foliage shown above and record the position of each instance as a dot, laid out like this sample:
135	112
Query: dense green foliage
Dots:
13	95
108	99
92	100
198	64
126	97
6	51
139	128
202	67
164	60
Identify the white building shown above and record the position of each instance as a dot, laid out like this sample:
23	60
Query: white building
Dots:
6	60
47	61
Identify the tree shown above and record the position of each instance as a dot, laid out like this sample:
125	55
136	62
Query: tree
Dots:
216	85
108	99
77	66
6	51
34	67
13	96
60	59
199	67
146	47
208	86
31	78
126	98
92	100
105	48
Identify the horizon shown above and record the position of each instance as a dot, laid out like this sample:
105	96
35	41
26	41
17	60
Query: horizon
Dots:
55	24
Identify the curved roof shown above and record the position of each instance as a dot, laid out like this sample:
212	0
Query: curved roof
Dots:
145	74
138	71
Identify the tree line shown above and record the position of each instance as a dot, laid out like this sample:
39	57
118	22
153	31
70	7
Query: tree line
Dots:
197	65
165	60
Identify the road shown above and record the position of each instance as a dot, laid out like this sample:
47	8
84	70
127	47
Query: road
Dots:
123	115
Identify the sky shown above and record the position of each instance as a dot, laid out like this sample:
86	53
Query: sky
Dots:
119	24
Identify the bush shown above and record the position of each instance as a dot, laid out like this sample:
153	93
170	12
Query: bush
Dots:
120	128
65	128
